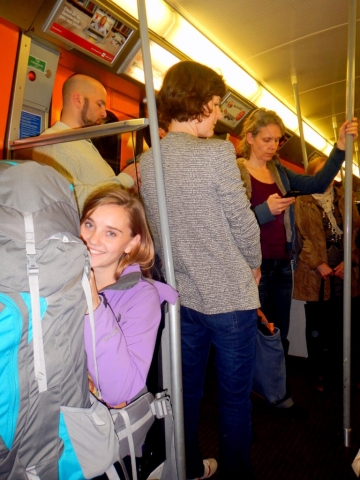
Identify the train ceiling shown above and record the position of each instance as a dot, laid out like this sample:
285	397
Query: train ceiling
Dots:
270	38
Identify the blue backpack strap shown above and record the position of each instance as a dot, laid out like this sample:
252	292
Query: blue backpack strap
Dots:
33	276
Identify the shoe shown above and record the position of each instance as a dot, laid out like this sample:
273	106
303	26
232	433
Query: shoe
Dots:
210	467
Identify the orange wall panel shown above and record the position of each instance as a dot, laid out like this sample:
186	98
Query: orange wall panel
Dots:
123	103
11	34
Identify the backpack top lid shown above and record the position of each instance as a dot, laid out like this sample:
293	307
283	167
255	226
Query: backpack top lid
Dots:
27	186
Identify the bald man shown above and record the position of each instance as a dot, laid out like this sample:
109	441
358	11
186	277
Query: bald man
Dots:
84	100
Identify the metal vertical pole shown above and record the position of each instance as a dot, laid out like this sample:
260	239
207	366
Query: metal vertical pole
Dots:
350	93
174	311
298	111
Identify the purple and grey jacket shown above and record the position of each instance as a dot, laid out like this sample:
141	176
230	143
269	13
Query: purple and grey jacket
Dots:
126	326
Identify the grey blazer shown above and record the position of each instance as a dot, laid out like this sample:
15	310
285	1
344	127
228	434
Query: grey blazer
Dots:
214	234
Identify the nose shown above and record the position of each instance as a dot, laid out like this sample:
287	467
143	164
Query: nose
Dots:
103	112
93	239
218	113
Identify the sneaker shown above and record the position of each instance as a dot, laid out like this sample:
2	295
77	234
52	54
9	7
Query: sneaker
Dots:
210	467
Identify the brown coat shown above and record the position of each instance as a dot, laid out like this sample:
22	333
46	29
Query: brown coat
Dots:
308	218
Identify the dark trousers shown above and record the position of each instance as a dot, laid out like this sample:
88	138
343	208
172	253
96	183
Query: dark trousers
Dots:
275	291
233	336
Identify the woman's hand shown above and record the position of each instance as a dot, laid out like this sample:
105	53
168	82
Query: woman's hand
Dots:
94	292
278	204
325	270
347	128
339	270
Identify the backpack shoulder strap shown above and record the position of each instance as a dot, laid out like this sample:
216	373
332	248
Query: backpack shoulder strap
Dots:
86	286
33	275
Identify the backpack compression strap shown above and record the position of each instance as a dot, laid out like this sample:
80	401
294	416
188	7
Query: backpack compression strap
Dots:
33	275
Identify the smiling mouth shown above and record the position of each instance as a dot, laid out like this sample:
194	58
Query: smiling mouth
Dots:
95	252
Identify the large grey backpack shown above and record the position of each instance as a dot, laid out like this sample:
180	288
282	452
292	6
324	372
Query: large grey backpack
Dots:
43	376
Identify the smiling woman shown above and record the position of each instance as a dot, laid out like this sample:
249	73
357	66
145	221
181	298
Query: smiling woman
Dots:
114	229
108	236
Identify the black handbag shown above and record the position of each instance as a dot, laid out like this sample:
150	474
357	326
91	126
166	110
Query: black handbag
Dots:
270	370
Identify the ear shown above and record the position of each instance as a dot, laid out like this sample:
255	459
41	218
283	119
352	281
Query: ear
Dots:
249	138
78	100
135	241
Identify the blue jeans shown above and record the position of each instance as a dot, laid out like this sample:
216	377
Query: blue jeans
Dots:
233	336
275	291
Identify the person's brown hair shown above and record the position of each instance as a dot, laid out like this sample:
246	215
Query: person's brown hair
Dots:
143	252
257	119
186	90
312	166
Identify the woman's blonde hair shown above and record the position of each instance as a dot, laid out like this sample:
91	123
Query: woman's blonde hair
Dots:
143	252
312	166
253	124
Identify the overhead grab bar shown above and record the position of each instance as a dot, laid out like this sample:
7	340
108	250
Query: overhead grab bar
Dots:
81	133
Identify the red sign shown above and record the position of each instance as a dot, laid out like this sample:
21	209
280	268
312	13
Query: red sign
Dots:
81	42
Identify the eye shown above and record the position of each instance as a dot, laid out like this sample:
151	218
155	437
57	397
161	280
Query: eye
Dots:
111	233
88	224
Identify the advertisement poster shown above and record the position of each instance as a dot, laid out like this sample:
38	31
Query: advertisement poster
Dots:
233	111
85	25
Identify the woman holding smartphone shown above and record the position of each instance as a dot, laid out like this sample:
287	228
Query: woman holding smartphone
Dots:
267	183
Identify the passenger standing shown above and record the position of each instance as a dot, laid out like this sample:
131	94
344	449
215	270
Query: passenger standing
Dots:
267	181
84	100
319	276
216	252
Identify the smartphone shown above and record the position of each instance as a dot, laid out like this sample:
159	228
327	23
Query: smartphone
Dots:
292	193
